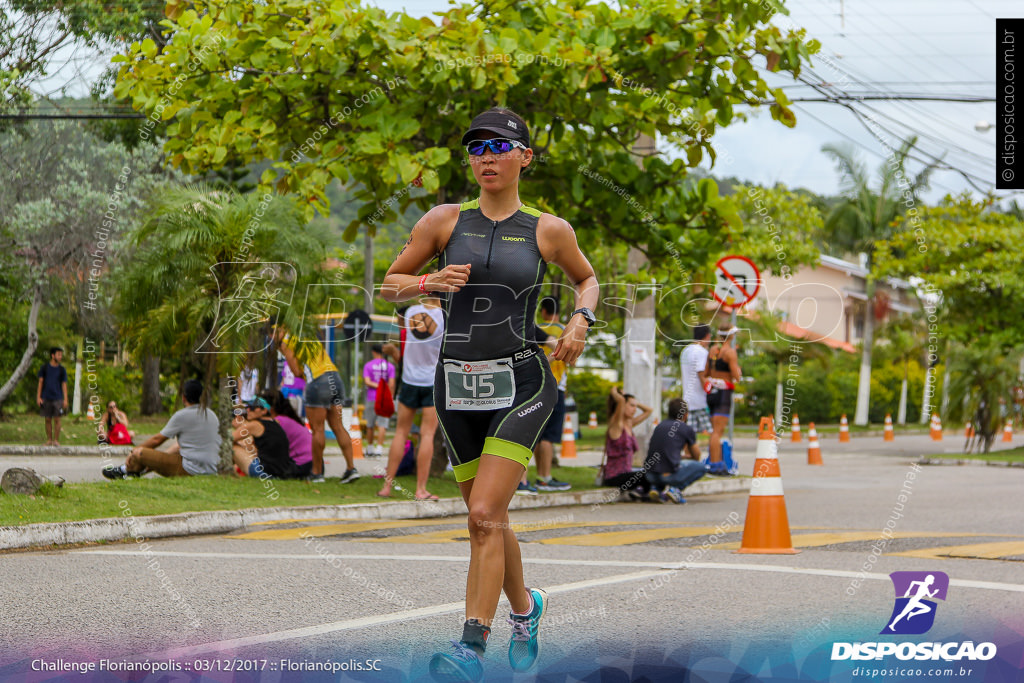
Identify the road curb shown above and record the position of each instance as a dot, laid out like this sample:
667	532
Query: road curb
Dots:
968	462
224	521
97	451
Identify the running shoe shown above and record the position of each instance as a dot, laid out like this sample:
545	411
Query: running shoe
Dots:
525	646
119	472
526	489
675	495
461	666
657	497
636	494
316	478
349	476
553	484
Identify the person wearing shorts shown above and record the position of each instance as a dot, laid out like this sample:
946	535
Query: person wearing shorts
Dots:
693	362
424	324
493	390
376	370
323	397
723	373
52	394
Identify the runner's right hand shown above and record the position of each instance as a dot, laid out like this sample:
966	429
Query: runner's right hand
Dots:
449	279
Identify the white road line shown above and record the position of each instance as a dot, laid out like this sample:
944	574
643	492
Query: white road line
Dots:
773	568
364	622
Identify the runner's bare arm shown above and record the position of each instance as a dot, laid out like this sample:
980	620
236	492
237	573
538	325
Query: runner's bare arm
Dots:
557	242
427	239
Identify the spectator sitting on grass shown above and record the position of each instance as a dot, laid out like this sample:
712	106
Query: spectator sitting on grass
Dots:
113	427
624	413
261	445
300	439
666	469
196	429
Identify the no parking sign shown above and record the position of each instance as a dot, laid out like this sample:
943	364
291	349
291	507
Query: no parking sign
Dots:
737	280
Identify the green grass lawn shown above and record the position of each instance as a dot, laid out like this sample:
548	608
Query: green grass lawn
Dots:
1009	455
30	430
165	496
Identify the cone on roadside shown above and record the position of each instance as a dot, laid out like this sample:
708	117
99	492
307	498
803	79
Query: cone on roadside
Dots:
357	438
308	428
592	422
969	430
889	435
766	528
1008	432
844	430
796	436
90	414
813	449
568	439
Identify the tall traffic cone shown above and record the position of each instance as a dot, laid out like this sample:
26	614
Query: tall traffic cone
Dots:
766	529
592	422
889	435
969	430
936	427
1008	432
90	414
308	427
568	439
813	449
356	435
796	436
844	430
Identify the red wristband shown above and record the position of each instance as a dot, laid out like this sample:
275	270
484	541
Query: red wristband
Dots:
423	283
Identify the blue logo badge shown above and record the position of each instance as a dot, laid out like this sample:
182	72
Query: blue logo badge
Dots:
914	611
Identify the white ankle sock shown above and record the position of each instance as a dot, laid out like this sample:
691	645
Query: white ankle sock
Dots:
530	609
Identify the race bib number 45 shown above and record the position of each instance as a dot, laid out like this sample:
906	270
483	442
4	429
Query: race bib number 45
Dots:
479	385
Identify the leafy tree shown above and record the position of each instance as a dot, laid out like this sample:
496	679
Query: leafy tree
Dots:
207	270
866	216
66	197
966	254
378	101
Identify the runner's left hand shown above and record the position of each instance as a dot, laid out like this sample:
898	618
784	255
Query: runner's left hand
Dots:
571	343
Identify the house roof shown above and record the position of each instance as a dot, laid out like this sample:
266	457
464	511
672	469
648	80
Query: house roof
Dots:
797	332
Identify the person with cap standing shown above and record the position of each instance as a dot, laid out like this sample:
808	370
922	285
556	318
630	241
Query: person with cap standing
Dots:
493	391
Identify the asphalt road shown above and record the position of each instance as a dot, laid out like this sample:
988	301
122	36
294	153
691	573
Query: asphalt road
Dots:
633	591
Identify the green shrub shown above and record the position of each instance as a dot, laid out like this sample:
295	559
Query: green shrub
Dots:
591	393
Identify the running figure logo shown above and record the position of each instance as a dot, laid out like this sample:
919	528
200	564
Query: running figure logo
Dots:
914	613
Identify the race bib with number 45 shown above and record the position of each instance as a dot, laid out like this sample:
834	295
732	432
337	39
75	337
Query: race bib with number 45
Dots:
479	384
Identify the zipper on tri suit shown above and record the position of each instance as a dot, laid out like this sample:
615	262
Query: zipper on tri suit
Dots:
490	247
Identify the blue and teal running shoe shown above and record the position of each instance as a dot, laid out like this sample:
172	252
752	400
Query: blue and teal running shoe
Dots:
461	666
524	646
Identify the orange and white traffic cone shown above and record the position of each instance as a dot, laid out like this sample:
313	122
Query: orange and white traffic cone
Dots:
568	439
592	422
889	435
356	435
1008	432
308	428
936	427
813	449
766	528
90	414
844	430
796	436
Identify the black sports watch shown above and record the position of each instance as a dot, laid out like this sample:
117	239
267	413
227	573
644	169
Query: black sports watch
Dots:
588	315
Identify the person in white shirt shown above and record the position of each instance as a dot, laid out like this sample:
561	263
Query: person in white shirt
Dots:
694	362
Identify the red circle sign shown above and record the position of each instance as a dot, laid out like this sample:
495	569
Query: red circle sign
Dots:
737	280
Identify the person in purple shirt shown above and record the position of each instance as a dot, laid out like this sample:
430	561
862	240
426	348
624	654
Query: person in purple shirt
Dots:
300	439
376	370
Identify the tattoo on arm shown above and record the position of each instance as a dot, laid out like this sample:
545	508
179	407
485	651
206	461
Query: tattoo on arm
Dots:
407	243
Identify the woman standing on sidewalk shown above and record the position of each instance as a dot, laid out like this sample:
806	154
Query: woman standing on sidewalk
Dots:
493	390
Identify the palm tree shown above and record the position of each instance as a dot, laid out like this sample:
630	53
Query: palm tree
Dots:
982	374
206	270
865	216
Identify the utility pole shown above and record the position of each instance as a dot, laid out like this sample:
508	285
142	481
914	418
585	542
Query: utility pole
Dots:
639	356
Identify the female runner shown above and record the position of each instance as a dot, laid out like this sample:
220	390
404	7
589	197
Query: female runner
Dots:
493	389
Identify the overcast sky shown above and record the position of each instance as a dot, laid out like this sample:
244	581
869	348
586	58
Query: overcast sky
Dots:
926	47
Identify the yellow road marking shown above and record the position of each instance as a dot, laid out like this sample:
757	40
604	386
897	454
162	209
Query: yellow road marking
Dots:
815	540
272	522
613	538
453	535
332	529
987	551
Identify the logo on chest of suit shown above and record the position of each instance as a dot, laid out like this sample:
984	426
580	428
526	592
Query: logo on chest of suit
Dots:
513	239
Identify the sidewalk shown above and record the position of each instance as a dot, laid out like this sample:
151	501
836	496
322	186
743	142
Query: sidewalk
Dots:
225	521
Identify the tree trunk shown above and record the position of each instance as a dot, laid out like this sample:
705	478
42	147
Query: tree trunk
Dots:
779	427
901	414
33	341
76	396
151	403
439	462
864	384
223	409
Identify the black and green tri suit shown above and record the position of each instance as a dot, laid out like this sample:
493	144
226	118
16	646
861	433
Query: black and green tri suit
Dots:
489	356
